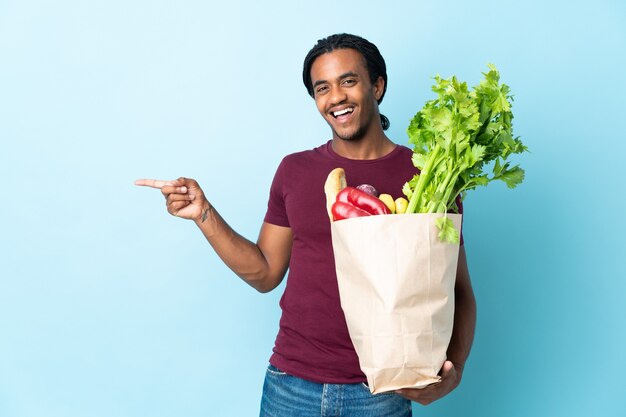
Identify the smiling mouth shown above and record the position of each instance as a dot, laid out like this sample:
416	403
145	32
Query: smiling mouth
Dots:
339	113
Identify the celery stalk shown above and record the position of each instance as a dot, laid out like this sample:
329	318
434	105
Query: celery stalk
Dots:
456	136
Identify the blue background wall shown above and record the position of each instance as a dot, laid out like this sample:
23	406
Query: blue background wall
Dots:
111	307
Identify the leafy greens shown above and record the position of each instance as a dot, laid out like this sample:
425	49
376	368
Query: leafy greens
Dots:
455	136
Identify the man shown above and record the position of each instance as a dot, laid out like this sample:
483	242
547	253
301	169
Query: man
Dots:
314	367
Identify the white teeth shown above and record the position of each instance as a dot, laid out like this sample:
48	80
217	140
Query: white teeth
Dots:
344	111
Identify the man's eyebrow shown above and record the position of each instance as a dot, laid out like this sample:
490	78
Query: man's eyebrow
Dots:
318	82
341	77
348	74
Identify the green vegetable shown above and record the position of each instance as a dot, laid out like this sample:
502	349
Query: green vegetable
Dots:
458	137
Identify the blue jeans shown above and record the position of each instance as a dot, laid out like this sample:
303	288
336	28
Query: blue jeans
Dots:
288	396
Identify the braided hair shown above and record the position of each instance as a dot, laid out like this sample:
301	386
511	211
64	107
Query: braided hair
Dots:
373	59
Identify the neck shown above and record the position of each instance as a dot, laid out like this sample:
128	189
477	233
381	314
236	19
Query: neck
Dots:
368	147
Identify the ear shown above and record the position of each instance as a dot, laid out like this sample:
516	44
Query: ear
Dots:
379	87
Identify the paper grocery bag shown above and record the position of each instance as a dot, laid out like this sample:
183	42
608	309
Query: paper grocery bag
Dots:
396	285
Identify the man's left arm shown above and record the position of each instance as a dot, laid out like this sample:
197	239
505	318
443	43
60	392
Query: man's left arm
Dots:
460	343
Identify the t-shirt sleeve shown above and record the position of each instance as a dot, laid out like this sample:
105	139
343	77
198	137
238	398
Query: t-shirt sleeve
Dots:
276	209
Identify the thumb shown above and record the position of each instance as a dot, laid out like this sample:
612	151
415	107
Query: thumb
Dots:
447	368
189	182
193	187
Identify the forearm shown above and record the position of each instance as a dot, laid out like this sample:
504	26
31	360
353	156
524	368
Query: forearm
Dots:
464	315
241	255
262	264
464	327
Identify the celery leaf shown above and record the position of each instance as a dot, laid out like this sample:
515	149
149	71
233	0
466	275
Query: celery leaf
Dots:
447	231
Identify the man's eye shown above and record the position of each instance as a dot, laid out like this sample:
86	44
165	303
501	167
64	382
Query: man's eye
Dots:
349	81
321	89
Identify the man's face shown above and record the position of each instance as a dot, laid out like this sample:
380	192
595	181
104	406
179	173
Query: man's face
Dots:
344	95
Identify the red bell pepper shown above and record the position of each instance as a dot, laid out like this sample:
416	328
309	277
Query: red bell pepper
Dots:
363	204
342	210
363	200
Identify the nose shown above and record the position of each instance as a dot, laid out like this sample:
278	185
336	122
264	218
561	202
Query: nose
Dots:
337	96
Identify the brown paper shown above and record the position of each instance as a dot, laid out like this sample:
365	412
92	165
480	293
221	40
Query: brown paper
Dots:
396	285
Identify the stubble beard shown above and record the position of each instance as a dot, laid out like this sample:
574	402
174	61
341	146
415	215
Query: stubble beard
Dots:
358	135
360	132
354	136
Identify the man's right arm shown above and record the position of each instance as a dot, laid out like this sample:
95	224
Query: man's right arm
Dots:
262	265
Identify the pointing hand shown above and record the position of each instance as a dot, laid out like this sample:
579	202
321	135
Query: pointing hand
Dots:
184	197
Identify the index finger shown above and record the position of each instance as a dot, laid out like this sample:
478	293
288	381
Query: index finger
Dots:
152	183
